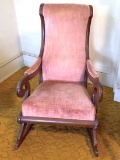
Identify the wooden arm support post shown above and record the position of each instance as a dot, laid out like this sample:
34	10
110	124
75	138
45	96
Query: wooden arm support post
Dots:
97	91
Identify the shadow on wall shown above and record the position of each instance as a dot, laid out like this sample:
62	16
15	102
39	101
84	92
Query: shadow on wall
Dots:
101	42
30	42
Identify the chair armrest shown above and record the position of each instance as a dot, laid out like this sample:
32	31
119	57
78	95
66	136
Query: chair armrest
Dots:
23	87
97	94
34	69
92	74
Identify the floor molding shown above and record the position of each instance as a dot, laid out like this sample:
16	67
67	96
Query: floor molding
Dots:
116	90
117	94
10	66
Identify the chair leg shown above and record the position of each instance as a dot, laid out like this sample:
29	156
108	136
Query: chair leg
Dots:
93	139
23	131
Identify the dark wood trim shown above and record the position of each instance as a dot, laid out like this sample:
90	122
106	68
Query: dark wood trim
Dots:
42	30
42	39
23	87
88	31
23	131
40	74
41	9
58	121
93	139
27	122
97	90
91	10
85	78
42	44
87	43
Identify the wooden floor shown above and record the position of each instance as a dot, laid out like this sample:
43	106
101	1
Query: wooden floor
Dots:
48	142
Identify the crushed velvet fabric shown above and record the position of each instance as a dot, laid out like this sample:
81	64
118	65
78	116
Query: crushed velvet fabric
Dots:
55	99
64	55
34	67
91	69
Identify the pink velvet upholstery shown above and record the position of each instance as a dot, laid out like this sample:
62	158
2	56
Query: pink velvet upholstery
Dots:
34	67
55	99
64	55
91	69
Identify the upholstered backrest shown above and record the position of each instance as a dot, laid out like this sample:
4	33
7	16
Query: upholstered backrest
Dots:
64	56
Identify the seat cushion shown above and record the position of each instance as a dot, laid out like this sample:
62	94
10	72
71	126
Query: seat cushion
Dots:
55	99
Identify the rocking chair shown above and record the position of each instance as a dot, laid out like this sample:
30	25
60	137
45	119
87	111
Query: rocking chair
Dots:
64	66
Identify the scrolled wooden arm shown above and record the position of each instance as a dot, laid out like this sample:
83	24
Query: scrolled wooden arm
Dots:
97	91
34	69
23	87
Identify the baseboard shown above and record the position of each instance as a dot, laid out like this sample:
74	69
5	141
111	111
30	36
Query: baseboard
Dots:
117	95
10	66
106	79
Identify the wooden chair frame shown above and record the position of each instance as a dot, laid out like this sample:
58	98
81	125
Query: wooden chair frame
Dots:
23	90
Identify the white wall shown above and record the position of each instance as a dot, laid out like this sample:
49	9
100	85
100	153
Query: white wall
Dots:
9	40
27	12
103	35
9	36
28	19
